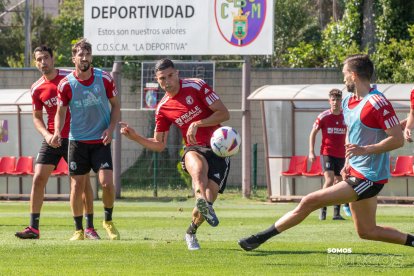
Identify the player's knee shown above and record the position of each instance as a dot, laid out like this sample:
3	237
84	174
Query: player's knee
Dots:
308	202
77	189
366	234
107	185
39	181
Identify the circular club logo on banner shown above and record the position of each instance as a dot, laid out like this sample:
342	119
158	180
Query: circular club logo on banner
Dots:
240	21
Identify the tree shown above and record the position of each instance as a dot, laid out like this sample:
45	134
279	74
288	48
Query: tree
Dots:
3	35
394	60
13	38
368	26
393	18
295	22
68	28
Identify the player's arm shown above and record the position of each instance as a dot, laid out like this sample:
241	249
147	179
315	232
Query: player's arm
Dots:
384	118
409	122
115	116
409	125
59	123
157	143
394	140
40	125
403	123
63	91
220	114
345	169
312	138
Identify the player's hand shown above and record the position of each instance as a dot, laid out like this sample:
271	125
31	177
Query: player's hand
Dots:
311	157
127	131
48	139
106	137
354	150
191	133
345	172
407	135
56	140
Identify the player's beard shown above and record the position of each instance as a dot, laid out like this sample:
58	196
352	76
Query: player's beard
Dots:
350	87
46	70
84	66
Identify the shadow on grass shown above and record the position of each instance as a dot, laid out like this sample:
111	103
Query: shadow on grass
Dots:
261	253
154	199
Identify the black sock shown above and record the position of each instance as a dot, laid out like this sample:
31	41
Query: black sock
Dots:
410	240
78	222
89	221
267	234
192	229
34	221
108	214
337	210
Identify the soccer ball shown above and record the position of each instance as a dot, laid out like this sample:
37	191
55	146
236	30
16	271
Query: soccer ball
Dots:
225	141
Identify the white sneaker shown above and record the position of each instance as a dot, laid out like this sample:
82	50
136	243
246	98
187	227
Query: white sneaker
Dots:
192	242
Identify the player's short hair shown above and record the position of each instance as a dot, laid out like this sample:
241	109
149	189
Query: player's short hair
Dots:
81	44
336	93
43	48
163	64
361	65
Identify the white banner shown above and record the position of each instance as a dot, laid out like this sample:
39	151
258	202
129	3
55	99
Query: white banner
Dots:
179	27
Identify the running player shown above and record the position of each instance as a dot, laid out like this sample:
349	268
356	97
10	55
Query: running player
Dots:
44	94
333	127
373	131
197	110
88	92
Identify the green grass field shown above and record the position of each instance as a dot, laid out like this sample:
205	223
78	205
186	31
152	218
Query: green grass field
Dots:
152	233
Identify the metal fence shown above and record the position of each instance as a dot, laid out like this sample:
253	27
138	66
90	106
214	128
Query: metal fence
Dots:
142	169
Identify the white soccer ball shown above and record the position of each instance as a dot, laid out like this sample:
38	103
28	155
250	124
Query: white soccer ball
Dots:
225	141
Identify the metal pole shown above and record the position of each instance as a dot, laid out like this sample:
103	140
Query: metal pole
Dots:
254	168
19	142
28	39
246	131
155	172
116	75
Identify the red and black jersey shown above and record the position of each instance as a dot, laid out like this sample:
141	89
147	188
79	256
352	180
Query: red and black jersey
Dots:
333	133
190	104
44	94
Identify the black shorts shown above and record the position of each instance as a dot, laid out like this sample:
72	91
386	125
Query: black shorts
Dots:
364	188
218	167
51	156
330	163
84	157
